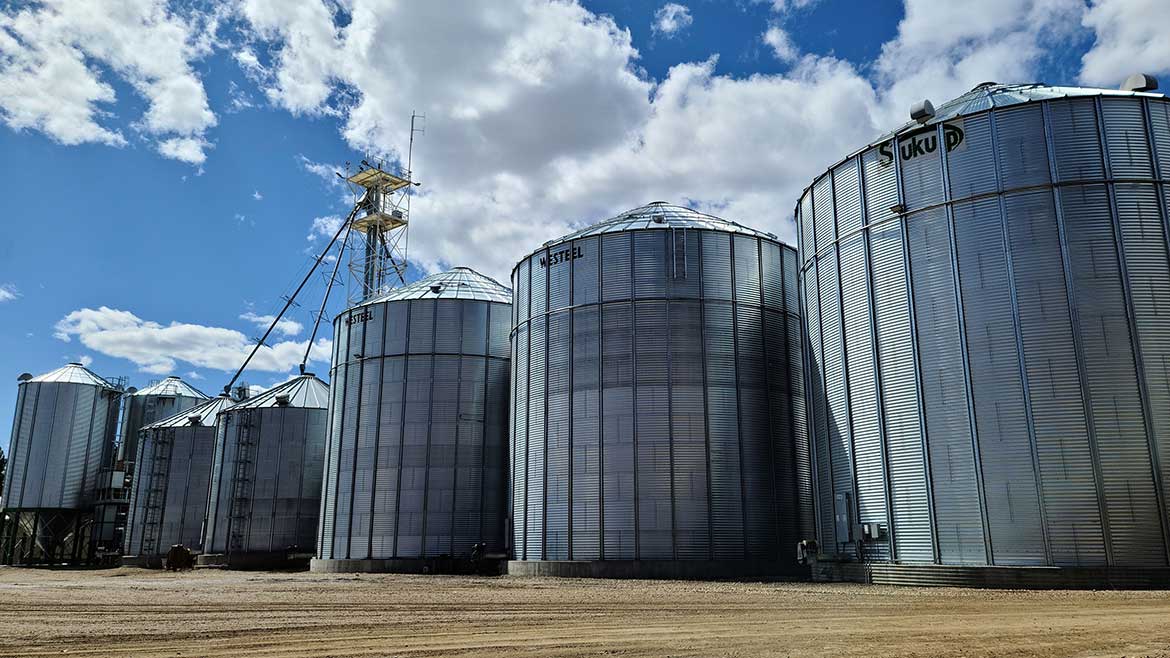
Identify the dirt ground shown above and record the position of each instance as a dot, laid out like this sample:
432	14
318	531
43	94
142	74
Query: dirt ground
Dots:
136	612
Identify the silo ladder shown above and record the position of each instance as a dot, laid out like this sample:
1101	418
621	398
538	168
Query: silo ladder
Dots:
241	508
160	459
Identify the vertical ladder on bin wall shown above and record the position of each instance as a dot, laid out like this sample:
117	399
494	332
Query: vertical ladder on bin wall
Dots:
241	508
160	459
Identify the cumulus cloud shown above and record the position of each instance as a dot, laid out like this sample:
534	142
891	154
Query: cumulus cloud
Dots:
8	292
1130	38
85	360
58	57
539	118
324	227
285	327
782	47
671	18
257	196
185	149
326	172
943	49
157	348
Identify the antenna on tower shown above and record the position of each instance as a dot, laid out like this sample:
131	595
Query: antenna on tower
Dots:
414	117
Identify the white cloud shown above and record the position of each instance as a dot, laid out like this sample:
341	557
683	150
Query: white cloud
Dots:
257	196
192	375
56	57
85	360
944	49
540	118
1131	38
184	149
322	170
285	327
786	6
156	348
324	227
239	100
671	18
8	292
781	44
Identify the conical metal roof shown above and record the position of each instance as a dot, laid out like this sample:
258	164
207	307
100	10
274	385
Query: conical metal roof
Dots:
73	373
989	95
458	283
305	391
206	411
171	387
660	214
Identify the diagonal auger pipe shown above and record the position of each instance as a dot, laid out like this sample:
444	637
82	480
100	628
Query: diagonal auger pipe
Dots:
325	299
288	302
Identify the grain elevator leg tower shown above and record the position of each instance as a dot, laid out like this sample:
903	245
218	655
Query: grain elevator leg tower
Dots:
378	231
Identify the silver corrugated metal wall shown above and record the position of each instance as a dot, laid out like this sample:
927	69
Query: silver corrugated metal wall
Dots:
61	434
176	460
279	486
138	411
989	337
417	458
657	397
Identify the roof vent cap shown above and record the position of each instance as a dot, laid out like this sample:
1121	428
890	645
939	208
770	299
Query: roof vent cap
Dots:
658	219
194	419
24	377
437	288
1140	82
74	363
282	400
922	111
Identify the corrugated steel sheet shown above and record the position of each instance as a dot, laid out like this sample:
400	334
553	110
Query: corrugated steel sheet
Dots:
655	411
265	493
1005	446
417	462
1043	392
62	435
911	528
954	476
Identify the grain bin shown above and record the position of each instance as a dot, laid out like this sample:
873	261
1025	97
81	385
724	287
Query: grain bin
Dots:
139	407
173	471
63	430
417	458
987	293
657	419
265	491
153	403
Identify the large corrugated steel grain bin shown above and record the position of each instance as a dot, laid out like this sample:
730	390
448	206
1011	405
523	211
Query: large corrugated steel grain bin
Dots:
416	470
987	297
657	406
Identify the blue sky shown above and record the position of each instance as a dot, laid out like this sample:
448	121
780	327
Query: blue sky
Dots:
164	165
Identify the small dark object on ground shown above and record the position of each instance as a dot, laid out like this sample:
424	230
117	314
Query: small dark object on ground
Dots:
180	558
